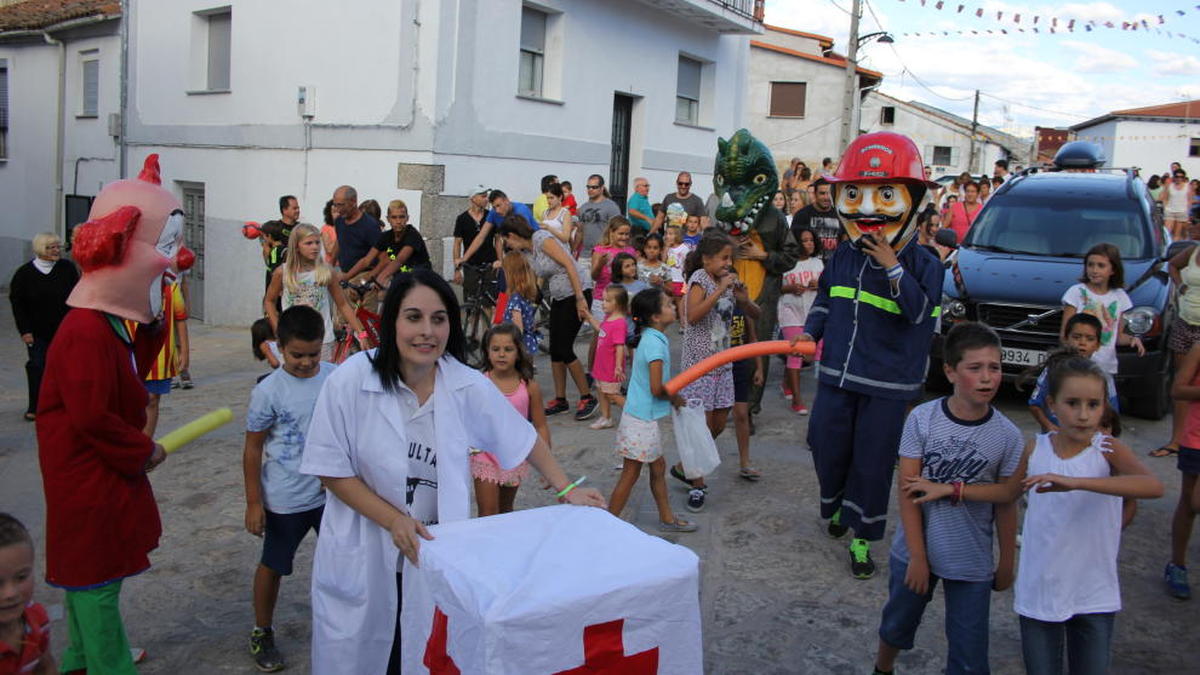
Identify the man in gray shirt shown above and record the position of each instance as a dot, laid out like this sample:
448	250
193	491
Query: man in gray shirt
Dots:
595	213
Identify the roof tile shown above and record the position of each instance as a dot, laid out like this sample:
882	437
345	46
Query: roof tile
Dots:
38	14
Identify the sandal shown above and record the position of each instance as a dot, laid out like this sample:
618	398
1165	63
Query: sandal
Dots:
678	475
750	473
1164	451
678	525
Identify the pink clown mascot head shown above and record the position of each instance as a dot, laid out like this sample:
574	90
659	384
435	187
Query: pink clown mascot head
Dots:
130	248
879	187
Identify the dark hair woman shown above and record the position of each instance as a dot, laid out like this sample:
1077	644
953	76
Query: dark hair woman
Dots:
389	439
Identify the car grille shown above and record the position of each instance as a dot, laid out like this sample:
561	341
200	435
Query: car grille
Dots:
1004	317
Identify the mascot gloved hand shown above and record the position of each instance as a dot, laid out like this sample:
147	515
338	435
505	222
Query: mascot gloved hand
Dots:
101	517
877	304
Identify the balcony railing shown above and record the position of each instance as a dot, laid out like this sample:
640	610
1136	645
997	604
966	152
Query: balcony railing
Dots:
749	9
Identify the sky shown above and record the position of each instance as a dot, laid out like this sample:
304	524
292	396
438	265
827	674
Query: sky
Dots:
1024	79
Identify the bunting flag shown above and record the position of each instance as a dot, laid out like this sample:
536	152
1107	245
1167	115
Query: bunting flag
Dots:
1050	24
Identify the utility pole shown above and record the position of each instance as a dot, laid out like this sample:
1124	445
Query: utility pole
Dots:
974	128
851	89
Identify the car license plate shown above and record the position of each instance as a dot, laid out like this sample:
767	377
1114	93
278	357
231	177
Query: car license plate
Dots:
1022	357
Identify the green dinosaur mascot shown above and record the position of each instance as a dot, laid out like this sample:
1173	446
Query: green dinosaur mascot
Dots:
745	181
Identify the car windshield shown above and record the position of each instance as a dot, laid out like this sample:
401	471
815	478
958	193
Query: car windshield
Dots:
1059	227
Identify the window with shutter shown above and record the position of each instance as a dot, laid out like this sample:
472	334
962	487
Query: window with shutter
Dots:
943	155
91	88
1194	148
530	72
219	45
687	91
788	99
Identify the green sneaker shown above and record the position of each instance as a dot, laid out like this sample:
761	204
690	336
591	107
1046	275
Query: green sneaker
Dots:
836	529
262	647
861	565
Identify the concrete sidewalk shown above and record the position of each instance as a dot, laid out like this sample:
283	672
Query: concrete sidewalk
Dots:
776	593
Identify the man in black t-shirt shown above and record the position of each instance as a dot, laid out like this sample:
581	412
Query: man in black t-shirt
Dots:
393	244
356	231
821	218
466	227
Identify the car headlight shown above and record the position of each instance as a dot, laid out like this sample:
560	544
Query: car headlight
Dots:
1140	320
953	308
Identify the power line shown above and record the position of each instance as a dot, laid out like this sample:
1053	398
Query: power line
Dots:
1033	107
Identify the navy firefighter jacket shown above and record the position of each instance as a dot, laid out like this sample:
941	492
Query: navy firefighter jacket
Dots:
876	341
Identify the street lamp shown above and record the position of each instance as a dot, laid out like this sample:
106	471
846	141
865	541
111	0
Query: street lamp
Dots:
850	93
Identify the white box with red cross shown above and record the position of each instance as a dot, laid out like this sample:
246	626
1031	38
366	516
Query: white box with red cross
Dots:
560	590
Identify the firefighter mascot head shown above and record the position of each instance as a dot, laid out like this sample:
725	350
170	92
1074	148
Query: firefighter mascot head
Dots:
879	187
130	247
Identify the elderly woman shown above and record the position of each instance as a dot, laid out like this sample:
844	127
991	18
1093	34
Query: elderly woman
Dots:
38	292
389	439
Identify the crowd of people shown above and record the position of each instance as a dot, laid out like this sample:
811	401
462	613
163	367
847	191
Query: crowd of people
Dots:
319	439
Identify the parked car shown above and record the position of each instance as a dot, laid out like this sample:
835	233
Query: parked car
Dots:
1026	248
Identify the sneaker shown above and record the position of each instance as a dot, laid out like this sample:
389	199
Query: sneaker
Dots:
1177	582
587	408
787	393
799	408
262	647
602	423
695	502
835	529
557	405
861	565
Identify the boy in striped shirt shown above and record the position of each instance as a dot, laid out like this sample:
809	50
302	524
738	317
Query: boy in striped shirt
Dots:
959	474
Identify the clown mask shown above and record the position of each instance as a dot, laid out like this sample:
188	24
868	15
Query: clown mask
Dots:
882	211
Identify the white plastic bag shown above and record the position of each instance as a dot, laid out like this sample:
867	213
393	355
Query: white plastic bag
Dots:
697	449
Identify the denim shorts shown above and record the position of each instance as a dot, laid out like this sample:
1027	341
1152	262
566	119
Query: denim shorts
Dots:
967	607
160	387
283	534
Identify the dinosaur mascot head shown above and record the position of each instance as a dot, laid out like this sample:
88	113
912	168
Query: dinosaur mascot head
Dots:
130	247
879	187
745	180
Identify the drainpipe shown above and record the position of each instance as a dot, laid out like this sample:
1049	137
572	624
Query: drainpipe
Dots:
58	130
123	109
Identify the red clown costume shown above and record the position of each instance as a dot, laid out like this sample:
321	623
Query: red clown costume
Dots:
101	517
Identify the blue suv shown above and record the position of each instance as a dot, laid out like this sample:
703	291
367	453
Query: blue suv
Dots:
1026	248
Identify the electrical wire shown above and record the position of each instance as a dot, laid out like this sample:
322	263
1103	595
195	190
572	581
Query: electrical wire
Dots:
1033	107
799	136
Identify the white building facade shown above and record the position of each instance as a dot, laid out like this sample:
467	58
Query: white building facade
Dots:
794	94
943	139
59	101
420	101
1150	138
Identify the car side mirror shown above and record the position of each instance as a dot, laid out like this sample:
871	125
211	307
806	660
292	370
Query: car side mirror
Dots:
946	237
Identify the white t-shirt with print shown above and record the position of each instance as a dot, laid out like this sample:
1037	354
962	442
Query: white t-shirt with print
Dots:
675	259
420	497
1108	307
793	309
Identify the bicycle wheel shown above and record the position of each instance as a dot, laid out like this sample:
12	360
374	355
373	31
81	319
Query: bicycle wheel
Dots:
475	324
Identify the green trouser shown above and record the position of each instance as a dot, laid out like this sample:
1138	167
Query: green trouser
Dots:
98	642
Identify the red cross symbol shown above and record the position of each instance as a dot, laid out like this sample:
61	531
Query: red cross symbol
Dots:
603	648
604	653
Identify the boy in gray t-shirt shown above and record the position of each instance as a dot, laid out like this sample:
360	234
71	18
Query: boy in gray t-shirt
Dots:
959	472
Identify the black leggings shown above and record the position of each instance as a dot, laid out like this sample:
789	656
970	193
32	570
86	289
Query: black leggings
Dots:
564	328
394	659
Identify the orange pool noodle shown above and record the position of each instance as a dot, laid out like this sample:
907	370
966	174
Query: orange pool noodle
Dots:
768	348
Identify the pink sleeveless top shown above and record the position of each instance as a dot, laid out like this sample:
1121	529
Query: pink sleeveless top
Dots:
519	398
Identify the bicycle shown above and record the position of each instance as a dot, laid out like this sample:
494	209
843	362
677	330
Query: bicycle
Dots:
477	311
348	344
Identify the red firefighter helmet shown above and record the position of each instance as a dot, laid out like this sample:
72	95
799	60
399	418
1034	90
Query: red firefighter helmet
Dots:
882	157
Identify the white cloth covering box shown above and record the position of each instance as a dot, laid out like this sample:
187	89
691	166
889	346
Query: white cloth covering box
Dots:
560	590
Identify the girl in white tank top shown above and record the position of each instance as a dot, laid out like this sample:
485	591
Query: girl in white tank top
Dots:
1076	478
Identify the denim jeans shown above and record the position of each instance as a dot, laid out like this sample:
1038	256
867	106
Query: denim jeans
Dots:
1088	640
967	607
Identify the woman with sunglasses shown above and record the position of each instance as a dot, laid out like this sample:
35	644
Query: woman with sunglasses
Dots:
1176	197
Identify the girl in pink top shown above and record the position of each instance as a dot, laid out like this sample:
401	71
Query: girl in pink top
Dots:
615	240
609	365
508	366
962	213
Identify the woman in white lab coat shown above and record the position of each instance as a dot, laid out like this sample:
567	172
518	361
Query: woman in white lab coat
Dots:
389	438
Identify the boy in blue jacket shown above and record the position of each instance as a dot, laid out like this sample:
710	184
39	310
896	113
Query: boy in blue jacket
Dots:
876	309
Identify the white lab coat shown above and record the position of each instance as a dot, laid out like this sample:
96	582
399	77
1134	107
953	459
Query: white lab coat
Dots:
357	429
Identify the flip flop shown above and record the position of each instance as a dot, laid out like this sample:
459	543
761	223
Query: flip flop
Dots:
750	473
679	525
1164	451
678	475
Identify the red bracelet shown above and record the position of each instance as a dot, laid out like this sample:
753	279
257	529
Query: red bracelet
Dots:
956	498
